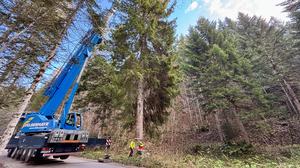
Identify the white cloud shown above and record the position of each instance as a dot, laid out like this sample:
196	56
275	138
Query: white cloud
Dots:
206	1
230	8
193	6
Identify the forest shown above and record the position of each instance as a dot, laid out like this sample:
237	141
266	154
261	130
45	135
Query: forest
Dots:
225	94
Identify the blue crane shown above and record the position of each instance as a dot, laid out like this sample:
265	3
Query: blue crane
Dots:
39	134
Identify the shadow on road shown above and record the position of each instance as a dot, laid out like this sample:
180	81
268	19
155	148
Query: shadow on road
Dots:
46	162
72	162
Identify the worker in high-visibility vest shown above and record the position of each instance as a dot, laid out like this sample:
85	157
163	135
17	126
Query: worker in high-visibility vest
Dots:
140	148
131	147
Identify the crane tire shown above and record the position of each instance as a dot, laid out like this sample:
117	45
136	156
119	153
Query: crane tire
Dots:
14	153
9	152
28	155
19	153
23	154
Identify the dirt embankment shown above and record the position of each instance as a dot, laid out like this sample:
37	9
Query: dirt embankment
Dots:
272	131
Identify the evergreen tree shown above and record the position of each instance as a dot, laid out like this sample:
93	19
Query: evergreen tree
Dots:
293	6
221	76
142	53
269	47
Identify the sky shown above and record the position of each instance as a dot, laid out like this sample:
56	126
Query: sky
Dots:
188	12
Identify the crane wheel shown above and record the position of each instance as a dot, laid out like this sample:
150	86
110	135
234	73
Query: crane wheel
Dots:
14	152
9	152
28	155
23	154
19	153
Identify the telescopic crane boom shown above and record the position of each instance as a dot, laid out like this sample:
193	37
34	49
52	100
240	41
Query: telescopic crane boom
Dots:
39	134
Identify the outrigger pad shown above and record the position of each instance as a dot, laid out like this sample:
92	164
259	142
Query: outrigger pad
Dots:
104	160
101	160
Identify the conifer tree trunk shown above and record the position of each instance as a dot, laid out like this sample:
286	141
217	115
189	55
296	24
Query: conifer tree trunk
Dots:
242	131
199	111
289	101
140	109
140	95
293	96
238	131
189	109
218	124
173	124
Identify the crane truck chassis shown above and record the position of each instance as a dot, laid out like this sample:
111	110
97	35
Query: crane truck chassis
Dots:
58	143
40	134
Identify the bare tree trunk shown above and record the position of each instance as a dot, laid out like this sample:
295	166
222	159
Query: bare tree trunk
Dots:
242	131
173	125
195	109
218	124
199	111
293	96
187	104
290	102
140	109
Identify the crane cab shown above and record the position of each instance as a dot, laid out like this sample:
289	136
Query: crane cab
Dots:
73	121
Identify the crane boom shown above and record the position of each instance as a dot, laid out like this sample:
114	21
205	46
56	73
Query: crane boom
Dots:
59	88
40	134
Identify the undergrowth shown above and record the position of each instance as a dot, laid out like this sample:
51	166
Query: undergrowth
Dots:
210	156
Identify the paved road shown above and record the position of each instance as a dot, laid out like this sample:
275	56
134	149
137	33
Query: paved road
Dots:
71	162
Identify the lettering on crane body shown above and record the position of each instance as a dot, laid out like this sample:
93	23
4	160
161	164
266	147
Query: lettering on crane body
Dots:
32	125
43	124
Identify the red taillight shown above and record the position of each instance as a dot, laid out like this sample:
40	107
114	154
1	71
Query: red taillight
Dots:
45	150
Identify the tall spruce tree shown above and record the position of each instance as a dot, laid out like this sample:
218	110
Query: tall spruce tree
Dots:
269	47
221	76
142	53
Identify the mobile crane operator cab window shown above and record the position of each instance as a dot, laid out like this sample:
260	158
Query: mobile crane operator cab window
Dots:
74	120
70	119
